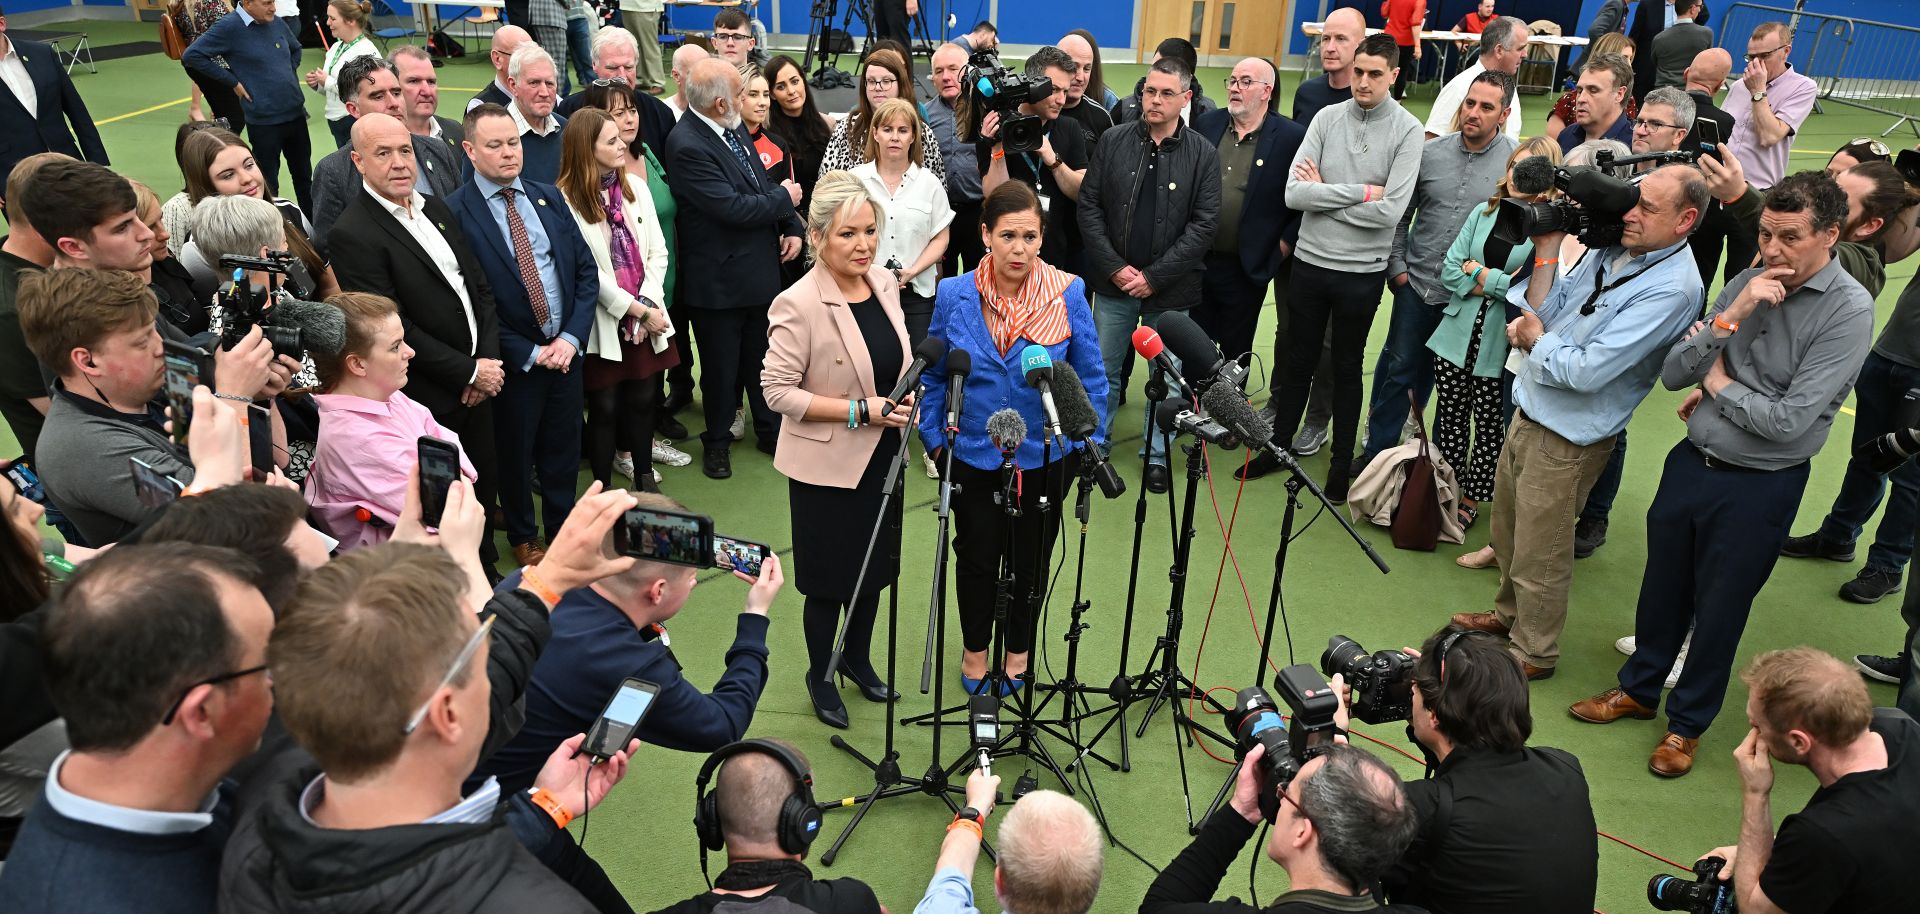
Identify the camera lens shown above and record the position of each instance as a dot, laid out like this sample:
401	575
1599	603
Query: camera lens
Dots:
1343	655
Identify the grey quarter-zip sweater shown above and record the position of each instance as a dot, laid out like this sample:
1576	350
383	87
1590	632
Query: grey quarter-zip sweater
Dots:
1340	229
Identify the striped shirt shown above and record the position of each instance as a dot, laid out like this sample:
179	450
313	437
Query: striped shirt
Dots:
1037	312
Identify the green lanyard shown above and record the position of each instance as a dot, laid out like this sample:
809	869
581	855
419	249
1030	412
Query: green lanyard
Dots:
340	50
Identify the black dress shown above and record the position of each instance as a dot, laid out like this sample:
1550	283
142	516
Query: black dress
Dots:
831	525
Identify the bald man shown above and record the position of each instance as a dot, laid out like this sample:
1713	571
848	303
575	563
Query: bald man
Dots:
684	58
505	41
1704	79
1091	115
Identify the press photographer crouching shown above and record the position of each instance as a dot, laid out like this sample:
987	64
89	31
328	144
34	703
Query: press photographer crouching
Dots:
1851	848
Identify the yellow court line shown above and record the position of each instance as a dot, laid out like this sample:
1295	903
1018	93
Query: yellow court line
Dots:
159	107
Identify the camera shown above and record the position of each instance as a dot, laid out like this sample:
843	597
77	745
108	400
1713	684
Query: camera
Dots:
242	307
1908	164
1706	894
1255	721
1382	682
1595	204
992	87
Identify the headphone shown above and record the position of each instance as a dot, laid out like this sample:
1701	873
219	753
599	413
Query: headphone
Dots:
799	816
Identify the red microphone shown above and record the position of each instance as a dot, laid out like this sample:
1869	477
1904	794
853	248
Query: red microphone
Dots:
1146	341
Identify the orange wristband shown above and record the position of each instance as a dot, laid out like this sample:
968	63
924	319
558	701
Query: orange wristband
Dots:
1539	262
546	801
969	825
531	583
999	153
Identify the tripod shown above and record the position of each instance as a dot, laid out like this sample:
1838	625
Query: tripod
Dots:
888	782
824	42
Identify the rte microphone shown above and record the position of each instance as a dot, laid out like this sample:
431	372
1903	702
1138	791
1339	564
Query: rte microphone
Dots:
959	365
1038	367
928	352
1147	342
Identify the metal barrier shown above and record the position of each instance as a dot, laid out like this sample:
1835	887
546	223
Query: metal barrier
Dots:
1857	62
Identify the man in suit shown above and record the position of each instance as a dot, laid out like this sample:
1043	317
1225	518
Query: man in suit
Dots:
740	226
370	85
545	285
614	56
506	40
44	103
394	241
420	90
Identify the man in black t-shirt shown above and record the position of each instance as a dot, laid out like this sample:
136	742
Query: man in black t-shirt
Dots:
1055	170
1850	849
764	870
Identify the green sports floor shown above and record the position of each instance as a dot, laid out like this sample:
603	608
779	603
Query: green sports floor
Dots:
642	834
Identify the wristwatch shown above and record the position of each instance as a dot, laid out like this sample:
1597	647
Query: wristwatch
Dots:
1760	96
972	815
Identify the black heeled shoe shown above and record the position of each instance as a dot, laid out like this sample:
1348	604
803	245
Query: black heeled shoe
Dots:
871	687
826	702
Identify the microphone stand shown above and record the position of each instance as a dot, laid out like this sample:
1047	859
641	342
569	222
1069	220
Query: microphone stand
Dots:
1121	689
888	782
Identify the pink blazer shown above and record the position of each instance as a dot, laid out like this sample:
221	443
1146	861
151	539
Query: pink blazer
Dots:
814	348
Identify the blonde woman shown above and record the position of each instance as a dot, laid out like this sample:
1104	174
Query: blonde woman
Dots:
347	21
918	215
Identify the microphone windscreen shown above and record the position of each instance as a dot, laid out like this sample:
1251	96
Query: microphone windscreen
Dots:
1189	343
930	350
323	327
1007	429
1532	175
1170	409
959	363
1146	341
1226	404
1036	363
1077	417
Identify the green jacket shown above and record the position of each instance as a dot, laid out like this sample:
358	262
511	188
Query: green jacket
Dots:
1450	339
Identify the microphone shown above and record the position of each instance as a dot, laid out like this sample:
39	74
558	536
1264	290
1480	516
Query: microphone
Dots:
1147	342
1176	417
1532	175
1195	350
1038	367
1078	421
323	327
928	352
959	365
1006	429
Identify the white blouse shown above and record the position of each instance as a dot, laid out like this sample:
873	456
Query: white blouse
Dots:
916	213
337	57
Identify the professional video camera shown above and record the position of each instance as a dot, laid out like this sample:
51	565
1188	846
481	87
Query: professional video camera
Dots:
1255	720
992	87
242	307
1706	894
1595	204
1382	682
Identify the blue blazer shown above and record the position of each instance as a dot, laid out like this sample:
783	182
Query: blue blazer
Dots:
46	130
572	262
997	381
1265	220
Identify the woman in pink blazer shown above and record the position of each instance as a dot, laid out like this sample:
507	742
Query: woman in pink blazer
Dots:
836	342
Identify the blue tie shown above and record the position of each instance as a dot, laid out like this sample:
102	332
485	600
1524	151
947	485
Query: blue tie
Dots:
740	152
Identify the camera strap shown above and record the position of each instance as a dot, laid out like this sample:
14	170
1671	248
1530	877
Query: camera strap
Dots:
1599	272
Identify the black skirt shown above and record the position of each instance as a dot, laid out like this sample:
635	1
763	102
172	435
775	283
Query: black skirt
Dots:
831	527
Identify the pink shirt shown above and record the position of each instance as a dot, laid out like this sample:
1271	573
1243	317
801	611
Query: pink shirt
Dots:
365	450
1791	96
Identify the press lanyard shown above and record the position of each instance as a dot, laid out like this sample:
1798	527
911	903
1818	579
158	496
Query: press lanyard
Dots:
1600	271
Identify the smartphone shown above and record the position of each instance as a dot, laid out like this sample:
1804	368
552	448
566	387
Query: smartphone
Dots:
744	556
665	536
25	480
1706	133
439	467
184	366
616	726
153	488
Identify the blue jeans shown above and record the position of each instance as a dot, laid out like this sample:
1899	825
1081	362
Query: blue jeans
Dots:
580	50
1405	365
1600	500
1115	316
1877	397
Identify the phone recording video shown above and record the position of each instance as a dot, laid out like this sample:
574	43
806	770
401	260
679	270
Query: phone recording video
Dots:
1706	137
666	536
439	467
622	717
183	367
153	488
743	556
25	480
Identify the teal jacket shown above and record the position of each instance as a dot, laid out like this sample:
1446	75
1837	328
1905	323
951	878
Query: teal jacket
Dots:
1449	340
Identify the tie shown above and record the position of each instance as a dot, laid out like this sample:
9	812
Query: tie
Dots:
523	254
740	152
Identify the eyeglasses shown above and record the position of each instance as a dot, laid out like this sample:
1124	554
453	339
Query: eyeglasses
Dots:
1245	82
610	82
459	663
1285	798
1873	146
1650	125
1162	93
1763	55
882	82
732	36
173	709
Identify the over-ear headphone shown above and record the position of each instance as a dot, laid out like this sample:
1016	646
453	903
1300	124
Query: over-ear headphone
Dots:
799	820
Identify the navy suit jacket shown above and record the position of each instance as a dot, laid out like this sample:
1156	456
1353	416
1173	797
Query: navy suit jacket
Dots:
572	262
58	104
1265	220
730	221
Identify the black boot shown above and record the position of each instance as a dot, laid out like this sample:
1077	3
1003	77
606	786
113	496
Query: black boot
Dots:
826	701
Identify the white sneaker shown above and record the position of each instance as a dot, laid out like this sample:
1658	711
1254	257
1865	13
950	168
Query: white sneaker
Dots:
667	454
624	466
739	427
933	469
656	477
1626	646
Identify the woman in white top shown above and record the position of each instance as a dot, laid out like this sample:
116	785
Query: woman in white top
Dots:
628	349
347	21
918	216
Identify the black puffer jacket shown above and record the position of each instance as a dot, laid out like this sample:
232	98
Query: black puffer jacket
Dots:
1186	212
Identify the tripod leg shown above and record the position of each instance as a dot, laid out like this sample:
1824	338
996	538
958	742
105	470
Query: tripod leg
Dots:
826	859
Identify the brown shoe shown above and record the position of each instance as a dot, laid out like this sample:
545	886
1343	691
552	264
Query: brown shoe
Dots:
1674	756
1609	706
529	554
1481	622
1536	673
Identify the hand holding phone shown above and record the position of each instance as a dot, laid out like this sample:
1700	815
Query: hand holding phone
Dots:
620	720
153	488
743	557
674	537
183	373
439	467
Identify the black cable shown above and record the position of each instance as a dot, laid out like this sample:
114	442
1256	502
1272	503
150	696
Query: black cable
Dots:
1253	895
586	803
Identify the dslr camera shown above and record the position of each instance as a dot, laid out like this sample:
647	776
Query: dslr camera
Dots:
1382	681
242	307
1706	894
1255	720
992	87
1593	205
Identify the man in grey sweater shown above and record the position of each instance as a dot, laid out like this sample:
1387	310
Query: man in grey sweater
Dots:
1352	180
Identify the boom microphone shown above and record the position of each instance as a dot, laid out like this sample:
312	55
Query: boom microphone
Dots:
959	365
1078	421
1038	367
1231	409
928	352
323	327
1197	353
1532	175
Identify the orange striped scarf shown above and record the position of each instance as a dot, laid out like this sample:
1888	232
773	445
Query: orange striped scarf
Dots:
1037	312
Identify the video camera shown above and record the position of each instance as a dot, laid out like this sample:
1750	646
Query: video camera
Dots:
1908	164
242	307
1594	206
1382	682
992	87
1706	894
1255	720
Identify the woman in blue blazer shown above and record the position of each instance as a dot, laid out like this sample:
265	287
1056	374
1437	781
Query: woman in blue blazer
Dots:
1012	301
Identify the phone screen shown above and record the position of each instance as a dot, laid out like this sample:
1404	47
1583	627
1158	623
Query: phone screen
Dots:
666	536
622	717
743	556
439	467
154	488
1707	132
183	375
25	480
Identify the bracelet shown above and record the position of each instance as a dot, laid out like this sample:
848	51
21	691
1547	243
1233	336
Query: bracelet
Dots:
545	801
968	824
864	418
1539	262
999	153
853	414
530	582
235	398
1366	194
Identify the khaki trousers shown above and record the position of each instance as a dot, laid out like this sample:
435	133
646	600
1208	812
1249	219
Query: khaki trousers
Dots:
1540	483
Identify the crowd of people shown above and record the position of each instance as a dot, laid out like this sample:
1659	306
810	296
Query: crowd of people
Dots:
273	663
